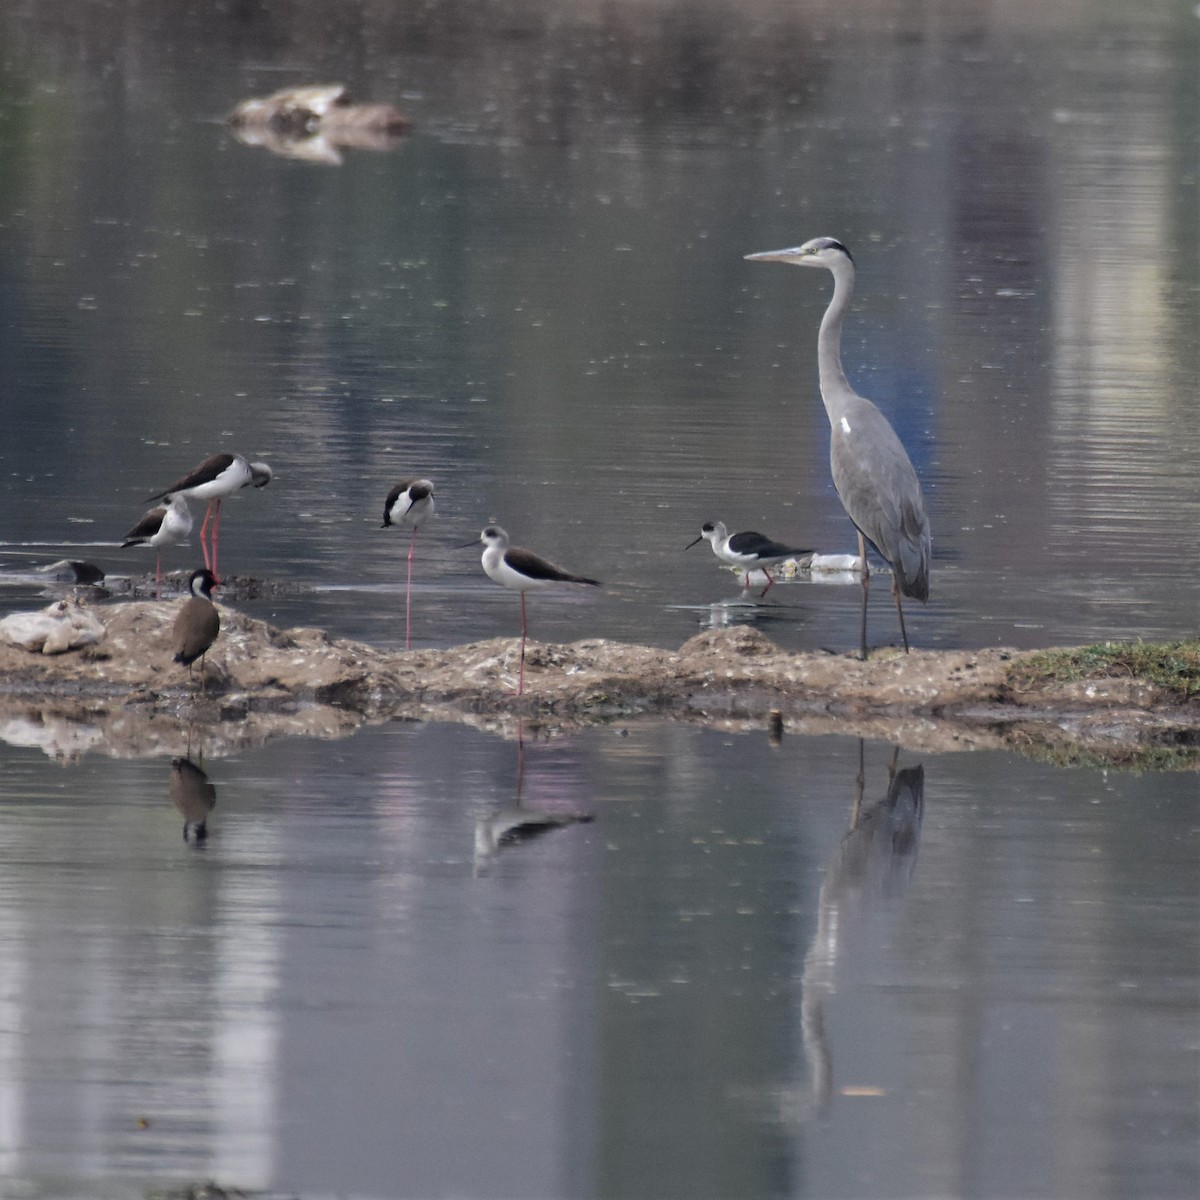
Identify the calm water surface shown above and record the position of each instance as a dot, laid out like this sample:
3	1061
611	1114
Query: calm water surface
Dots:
714	988
540	300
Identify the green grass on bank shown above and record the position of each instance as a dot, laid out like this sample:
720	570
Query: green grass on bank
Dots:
1172	666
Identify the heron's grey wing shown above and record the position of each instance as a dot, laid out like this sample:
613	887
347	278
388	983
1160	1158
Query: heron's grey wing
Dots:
879	489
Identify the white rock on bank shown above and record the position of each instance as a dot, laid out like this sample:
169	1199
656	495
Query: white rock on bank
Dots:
65	625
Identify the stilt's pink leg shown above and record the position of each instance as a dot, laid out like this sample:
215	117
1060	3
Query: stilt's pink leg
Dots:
770	581
412	545
521	685
215	539
203	533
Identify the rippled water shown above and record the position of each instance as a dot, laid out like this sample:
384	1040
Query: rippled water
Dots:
540	300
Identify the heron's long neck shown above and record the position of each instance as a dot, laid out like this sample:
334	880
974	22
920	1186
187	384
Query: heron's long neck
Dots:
834	384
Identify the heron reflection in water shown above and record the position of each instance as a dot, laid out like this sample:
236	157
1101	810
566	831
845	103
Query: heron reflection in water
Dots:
514	824
867	875
193	796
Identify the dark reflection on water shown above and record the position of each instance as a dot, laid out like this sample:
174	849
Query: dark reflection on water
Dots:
870	871
194	796
731	982
517	822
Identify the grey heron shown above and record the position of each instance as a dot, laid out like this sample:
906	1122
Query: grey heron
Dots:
873	475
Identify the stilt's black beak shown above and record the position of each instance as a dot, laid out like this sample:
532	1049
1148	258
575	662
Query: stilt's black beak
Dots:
691	544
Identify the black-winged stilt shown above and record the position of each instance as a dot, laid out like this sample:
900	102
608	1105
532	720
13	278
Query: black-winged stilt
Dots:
408	506
165	524
522	571
215	478
748	550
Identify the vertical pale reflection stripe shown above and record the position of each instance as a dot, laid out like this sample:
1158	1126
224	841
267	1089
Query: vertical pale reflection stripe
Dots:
1113	382
12	986
246	1033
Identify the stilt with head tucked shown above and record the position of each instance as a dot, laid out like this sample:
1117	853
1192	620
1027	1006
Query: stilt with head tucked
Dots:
408	506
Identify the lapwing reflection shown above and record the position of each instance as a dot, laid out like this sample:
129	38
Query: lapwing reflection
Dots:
515	823
868	873
193	796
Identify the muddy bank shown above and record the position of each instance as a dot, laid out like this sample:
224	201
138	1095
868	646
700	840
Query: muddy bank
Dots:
123	694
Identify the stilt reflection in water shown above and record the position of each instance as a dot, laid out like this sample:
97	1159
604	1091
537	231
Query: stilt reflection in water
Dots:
868	873
515	823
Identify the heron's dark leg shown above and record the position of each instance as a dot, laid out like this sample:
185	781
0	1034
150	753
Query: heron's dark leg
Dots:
865	579
899	613
860	784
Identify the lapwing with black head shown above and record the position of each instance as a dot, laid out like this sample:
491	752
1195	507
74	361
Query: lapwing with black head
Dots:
408	506
522	571
215	478
198	623
165	524
748	550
